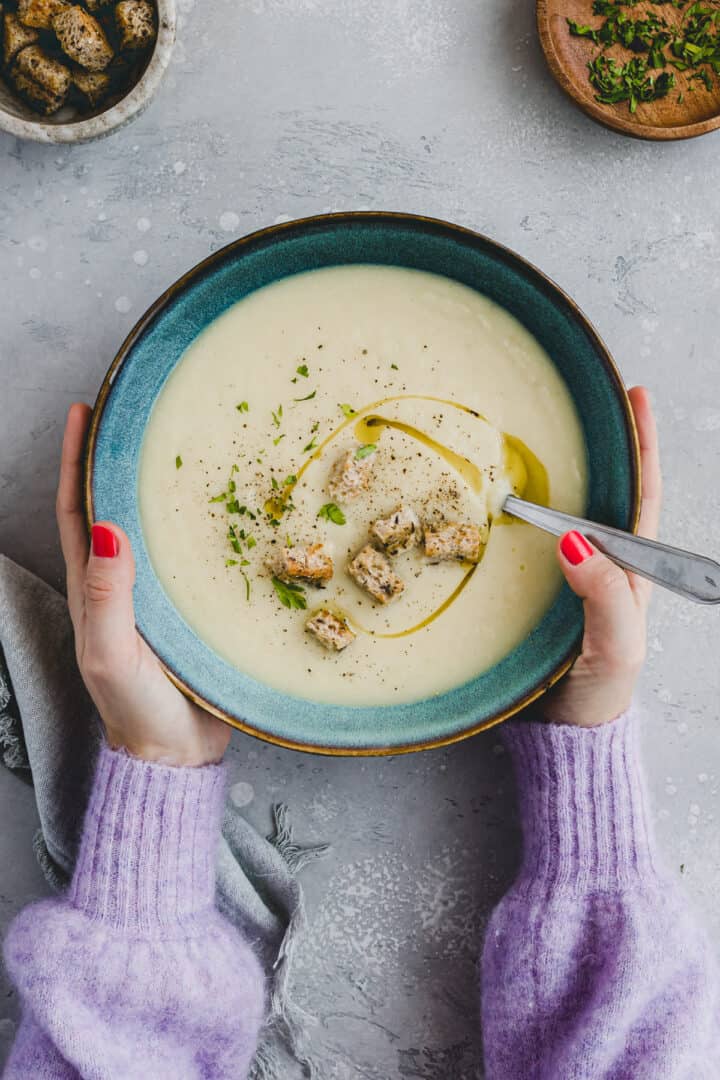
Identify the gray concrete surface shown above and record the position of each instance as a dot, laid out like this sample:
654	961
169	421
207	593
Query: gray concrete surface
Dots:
275	109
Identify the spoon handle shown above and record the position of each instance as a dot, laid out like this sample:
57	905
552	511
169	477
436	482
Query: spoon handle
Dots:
693	576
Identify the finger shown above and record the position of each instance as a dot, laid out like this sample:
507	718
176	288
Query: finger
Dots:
613	626
651	478
109	616
69	504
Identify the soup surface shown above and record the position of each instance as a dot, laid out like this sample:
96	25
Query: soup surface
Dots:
456	404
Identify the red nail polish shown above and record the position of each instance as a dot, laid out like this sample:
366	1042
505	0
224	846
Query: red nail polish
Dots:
104	542
575	548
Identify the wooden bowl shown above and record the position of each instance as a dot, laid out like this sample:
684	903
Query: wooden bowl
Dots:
568	57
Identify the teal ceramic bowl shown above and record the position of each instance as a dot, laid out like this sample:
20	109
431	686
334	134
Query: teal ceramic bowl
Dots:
157	343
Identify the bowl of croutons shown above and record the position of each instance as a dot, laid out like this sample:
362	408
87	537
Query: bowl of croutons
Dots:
71	72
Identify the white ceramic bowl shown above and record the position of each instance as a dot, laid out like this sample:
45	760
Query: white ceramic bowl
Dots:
18	119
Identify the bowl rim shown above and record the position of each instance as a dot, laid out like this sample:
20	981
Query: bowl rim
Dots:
261	237
119	114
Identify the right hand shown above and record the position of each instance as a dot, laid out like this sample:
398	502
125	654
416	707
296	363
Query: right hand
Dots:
141	709
600	684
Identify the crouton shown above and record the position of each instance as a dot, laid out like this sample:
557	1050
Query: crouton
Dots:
93	85
41	80
40	13
371	570
401	531
135	21
455	540
16	36
82	38
350	475
312	564
330	630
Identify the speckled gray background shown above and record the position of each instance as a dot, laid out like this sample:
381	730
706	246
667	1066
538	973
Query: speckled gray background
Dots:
279	108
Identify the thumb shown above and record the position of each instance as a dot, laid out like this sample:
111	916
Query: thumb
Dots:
109	579
608	601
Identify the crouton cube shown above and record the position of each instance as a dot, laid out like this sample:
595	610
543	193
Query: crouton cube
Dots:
455	540
41	80
82	38
371	570
135	21
401	531
40	13
312	564
16	36
330	630
93	85
350	475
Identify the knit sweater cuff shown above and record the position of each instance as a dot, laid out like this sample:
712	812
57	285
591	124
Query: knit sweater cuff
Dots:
585	821
147	854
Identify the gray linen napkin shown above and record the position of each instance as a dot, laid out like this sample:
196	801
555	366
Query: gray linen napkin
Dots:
49	726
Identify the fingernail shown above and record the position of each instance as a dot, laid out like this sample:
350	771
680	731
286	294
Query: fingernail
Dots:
575	548
104	542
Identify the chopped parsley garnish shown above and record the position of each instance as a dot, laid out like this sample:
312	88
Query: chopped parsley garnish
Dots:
331	512
233	507
219	498
308	397
290	595
312	445
394	367
243	407
303	371
178	462
247	585
290	480
279	438
348	410
365	451
231	562
275	485
629	82
277	416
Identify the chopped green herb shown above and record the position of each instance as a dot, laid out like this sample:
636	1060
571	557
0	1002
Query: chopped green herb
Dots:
276	441
233	507
232	487
219	498
348	410
290	595
178	462
243	407
275	484
365	451
308	397
277	416
394	367
235	468
231	562
290	480
312	445
247	585
303	370
331	512
251	542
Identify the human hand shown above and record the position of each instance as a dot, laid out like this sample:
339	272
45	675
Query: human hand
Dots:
600	684
141	709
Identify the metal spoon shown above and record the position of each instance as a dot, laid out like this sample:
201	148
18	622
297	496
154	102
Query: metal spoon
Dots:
690	575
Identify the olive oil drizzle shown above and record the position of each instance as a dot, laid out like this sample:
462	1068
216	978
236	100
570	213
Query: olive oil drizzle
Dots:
528	474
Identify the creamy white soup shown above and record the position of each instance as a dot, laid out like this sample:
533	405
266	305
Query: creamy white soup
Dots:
440	398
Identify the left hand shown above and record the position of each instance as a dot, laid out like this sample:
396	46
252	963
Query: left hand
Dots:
141	709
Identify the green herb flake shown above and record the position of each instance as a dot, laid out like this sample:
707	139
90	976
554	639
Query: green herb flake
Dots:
277	416
233	507
219	498
178	462
231	562
394	367
303	371
290	595
308	397
347	410
243	407
331	512
251	542
290	480
278	440
312	445
275	485
365	451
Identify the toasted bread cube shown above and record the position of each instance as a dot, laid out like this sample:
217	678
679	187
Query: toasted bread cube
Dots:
135	21
16	36
350	476
93	85
401	531
330	630
371	570
312	564
455	540
40	13
41	80
82	38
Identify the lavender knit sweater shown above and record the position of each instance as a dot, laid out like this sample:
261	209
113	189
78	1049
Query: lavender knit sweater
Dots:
592	966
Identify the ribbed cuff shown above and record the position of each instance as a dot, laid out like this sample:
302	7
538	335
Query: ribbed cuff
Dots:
585	821
147	855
